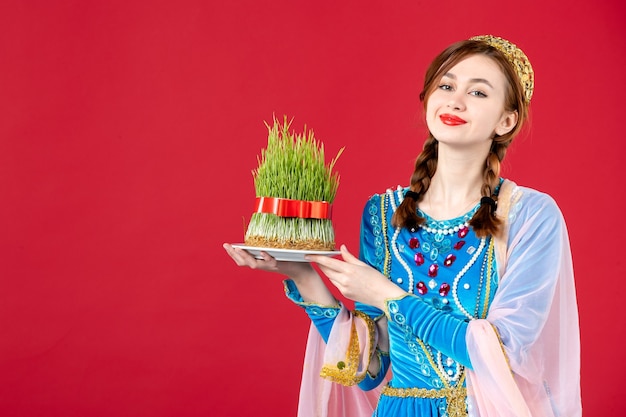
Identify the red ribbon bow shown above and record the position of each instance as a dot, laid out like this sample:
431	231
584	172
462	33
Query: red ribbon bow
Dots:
285	207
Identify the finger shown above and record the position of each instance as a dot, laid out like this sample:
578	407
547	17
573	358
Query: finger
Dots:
228	247
232	252
334	277
326	262
242	257
268	259
245	258
334	269
346	255
349	257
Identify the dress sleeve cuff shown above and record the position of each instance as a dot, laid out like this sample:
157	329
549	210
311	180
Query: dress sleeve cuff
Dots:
373	312
291	291
372	381
393	307
322	316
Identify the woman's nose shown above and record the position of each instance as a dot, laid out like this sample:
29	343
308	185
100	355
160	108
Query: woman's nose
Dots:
457	101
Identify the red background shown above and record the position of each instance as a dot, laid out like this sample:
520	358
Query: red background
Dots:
128	132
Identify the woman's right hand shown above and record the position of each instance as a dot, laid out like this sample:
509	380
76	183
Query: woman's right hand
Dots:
309	283
293	270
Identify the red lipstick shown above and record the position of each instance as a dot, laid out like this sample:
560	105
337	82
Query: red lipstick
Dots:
451	120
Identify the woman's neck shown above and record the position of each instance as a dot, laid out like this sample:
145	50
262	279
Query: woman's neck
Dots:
455	188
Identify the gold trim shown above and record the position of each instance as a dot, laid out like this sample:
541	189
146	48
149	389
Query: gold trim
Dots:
371	331
506	200
383	221
506	357
421	392
441	376
490	252
344	372
455	397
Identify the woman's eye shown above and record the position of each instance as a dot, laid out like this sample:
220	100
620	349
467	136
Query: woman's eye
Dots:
478	93
445	87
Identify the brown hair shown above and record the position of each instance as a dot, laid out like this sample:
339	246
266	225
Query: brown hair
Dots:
483	222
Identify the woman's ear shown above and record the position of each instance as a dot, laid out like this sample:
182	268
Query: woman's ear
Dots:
507	123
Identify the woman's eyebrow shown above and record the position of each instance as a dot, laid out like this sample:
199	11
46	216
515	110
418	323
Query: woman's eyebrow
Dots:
481	80
472	80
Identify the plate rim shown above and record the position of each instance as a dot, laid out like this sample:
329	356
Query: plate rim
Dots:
286	251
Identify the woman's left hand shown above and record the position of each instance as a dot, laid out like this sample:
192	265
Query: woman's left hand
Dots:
356	280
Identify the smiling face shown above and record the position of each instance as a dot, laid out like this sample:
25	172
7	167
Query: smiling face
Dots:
467	105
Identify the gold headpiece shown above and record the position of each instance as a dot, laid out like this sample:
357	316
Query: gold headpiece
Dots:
517	58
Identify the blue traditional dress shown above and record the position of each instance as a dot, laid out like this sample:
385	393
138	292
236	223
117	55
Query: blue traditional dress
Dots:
451	278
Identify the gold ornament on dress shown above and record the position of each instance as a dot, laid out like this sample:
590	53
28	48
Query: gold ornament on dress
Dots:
517	58
455	397
346	372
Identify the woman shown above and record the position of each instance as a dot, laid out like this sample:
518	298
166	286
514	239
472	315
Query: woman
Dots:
464	291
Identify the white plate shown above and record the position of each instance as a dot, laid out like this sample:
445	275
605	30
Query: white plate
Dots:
293	255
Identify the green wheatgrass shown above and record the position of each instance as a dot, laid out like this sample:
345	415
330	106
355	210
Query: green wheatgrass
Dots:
293	166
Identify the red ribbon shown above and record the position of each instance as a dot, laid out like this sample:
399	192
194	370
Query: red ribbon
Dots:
285	207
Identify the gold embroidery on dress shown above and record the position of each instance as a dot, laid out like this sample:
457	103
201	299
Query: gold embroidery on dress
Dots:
383	220
455	397
345	371
490	252
506	356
